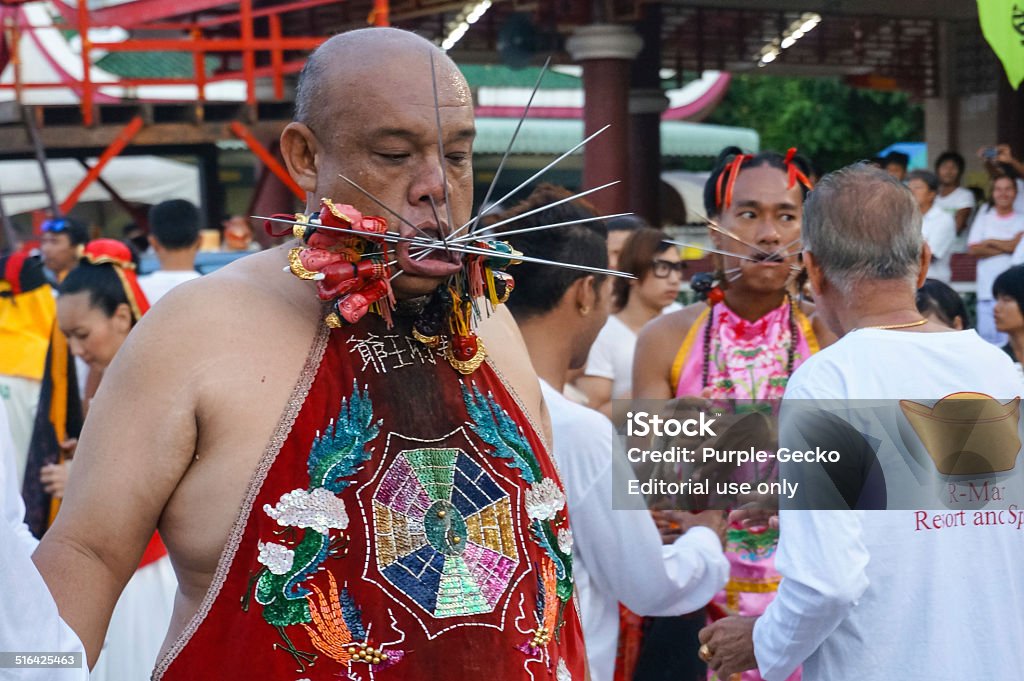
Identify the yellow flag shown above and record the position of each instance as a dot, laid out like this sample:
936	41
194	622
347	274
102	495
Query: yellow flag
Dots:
1002	23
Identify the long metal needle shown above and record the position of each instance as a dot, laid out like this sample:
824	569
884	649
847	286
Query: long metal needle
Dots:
384	206
437	218
513	232
712	250
485	206
785	247
542	208
716	227
526	258
387	236
440	151
532	178
436	244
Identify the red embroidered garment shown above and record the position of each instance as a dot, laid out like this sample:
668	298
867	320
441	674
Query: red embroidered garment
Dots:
405	523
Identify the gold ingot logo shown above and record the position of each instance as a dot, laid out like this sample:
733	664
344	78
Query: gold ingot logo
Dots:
967	433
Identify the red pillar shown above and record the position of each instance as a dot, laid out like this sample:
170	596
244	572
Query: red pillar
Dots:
606	53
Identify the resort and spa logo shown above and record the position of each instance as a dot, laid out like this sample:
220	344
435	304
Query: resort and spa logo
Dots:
967	433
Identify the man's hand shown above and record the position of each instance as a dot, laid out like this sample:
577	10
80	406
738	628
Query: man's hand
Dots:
714	520
672	523
728	645
756	514
54	477
1004	154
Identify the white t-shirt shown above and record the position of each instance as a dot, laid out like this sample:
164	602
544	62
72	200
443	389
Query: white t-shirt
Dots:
958	199
28	615
618	555
874	595
991	225
157	284
939	230
611	357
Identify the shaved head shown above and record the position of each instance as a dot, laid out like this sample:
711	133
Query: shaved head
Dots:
337	71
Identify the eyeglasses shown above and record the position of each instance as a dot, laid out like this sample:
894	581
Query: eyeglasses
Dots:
662	268
55	226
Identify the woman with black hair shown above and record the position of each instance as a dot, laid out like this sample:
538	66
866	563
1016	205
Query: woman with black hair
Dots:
100	302
745	342
648	256
938	302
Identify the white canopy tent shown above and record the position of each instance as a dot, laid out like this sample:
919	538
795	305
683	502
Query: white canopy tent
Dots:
140	179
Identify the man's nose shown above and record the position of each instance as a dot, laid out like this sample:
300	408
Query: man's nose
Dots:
767	233
428	185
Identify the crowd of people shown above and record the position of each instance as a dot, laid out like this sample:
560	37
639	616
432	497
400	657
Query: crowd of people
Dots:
298	467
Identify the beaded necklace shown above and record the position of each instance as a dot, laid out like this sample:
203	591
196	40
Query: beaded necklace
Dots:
790	346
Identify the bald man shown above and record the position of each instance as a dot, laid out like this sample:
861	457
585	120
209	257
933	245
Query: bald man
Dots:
334	501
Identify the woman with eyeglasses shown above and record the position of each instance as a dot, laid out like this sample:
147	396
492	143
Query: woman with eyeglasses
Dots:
659	275
100	302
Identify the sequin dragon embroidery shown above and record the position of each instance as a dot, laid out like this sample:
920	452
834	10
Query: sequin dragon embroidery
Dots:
545	506
284	586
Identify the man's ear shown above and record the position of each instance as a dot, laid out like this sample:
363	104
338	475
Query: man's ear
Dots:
814	274
122	318
926	261
585	295
299	147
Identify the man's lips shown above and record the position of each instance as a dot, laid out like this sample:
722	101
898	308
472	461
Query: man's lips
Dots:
769	259
435	263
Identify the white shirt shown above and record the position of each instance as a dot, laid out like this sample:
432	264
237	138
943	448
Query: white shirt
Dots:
618	555
958	199
1017	257
157	284
611	357
872	595
991	225
939	230
29	620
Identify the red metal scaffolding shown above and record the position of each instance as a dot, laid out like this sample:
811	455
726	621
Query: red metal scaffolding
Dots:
238	33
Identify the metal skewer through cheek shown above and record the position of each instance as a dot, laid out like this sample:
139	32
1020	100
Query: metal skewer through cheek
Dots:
713	250
538	209
383	205
438	245
525	258
724	232
529	180
492	236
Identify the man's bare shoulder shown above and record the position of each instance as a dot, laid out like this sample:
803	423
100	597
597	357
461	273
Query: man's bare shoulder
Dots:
220	324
